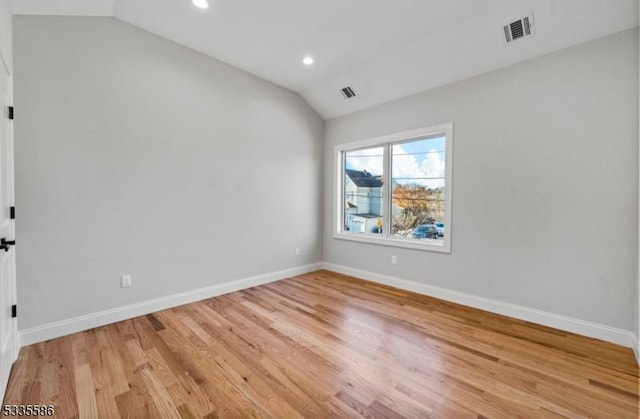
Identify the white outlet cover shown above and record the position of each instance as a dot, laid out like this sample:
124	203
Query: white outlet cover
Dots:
125	281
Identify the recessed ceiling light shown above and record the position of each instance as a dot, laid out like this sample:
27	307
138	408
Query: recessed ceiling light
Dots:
201	4
307	60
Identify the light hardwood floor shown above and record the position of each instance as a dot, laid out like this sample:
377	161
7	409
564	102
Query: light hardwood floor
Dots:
324	345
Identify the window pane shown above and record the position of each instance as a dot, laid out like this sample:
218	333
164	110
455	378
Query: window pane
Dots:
363	208
418	180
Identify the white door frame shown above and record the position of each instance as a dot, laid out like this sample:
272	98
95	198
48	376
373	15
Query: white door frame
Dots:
8	228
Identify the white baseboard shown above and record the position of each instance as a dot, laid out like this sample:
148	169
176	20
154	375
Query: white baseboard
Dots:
89	321
556	321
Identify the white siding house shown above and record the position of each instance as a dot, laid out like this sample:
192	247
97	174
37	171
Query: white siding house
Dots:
363	198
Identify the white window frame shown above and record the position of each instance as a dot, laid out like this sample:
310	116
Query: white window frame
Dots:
387	142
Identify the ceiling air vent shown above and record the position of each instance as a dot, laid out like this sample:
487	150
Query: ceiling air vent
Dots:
347	92
519	29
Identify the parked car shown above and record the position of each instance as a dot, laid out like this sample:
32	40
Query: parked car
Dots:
440	228
425	231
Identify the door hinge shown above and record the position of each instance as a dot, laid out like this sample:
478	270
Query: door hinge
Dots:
12	213
14	311
10	112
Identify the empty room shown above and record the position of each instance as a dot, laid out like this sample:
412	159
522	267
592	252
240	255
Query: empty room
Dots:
319	209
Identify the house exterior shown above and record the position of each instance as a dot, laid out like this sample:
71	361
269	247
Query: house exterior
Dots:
363	193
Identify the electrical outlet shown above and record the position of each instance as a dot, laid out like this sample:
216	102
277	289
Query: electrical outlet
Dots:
394	260
125	281
297	251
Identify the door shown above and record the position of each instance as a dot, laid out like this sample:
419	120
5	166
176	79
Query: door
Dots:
8	341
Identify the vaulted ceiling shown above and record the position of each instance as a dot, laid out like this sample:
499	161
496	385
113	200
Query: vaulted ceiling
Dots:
383	49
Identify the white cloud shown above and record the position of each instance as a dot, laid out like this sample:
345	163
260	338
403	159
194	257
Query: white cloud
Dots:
369	159
406	166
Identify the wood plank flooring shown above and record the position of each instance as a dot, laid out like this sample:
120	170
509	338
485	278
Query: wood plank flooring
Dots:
324	345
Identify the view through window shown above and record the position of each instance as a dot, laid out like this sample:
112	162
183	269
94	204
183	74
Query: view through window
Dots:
417	179
397	190
363	190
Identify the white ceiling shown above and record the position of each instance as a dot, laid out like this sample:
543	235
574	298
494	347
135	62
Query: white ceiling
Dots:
383	49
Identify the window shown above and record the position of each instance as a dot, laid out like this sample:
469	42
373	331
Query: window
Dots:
396	190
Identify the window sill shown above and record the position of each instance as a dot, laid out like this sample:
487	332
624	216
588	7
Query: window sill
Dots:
428	245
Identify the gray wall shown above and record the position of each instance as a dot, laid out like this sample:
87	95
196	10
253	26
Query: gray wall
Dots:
136	155
545	183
